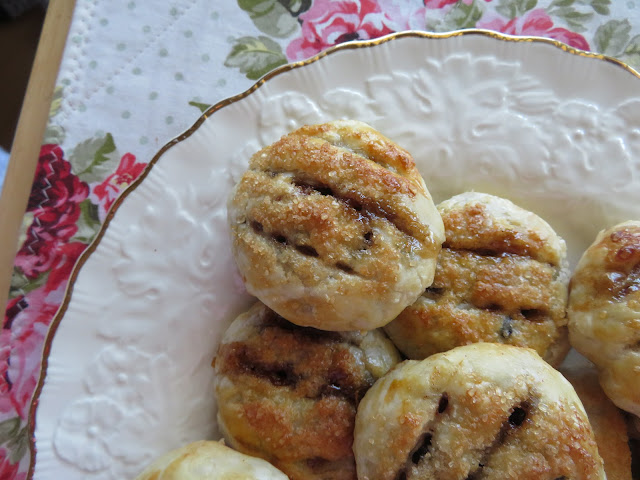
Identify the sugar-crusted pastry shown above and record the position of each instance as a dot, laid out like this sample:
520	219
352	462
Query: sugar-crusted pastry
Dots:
607	422
333	227
289	394
604	312
209	460
483	411
501	277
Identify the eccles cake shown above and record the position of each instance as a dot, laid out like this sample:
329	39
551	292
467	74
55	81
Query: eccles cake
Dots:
334	228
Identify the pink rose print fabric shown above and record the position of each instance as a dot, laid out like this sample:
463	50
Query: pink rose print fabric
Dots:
9	469
54	201
105	193
329	23
536	23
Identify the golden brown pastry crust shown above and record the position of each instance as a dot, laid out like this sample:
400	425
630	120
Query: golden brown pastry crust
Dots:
288	394
482	411
607	422
209	460
334	227
604	312
501	277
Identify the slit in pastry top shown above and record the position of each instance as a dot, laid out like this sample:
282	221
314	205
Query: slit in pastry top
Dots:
481	412
334	227
502	276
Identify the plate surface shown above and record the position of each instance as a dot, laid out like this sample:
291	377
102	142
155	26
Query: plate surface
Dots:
128	372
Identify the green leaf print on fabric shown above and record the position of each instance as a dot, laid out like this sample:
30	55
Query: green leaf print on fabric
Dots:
15	438
515	8
612	37
561	3
88	223
54	133
8	429
270	17
95	159
203	107
21	284
56	101
631	54
576	18
296	7
460	16
255	56
601	7
18	445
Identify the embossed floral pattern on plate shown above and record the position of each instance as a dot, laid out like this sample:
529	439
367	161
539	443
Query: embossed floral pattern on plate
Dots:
129	369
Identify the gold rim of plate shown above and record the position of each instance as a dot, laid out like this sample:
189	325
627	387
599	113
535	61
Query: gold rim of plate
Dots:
31	420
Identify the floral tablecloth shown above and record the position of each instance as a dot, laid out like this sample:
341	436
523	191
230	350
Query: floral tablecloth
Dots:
137	73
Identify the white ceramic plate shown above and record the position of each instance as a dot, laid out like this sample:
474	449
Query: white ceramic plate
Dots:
129	375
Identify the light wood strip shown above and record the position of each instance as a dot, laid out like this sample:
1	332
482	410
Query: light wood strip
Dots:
29	133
